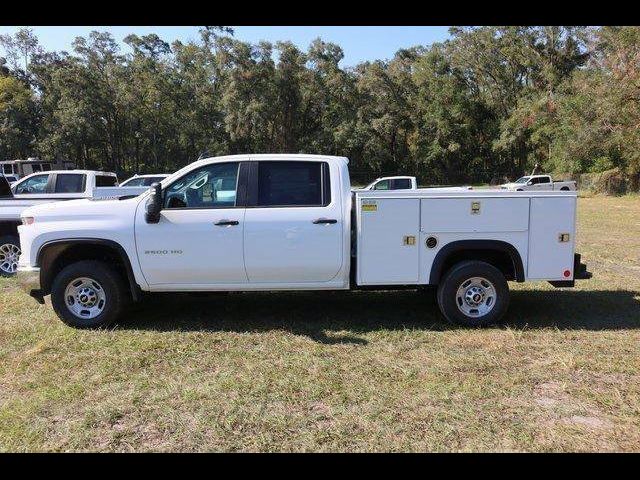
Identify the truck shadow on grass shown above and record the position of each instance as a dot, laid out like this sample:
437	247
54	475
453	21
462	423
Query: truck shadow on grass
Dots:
346	314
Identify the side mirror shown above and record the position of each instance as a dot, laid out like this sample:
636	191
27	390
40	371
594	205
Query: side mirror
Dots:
154	206
530	182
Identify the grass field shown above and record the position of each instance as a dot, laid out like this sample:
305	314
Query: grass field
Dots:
361	371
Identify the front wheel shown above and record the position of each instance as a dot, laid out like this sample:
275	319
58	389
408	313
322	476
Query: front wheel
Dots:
473	294
9	255
88	294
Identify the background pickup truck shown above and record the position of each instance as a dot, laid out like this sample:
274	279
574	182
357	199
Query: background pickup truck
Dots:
46	187
291	222
402	183
393	183
538	182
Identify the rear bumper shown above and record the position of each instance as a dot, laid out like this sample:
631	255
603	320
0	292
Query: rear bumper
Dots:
28	279
580	269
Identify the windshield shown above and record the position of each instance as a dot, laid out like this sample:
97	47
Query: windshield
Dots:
522	180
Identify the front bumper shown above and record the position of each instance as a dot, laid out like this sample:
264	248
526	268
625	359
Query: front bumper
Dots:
28	279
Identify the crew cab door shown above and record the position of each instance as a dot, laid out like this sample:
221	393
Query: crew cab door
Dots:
293	223
198	241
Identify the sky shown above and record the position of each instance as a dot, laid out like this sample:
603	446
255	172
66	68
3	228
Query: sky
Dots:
359	43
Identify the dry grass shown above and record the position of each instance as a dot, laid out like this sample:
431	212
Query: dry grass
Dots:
340	371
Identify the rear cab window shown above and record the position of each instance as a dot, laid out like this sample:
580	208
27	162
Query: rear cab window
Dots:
70	183
293	184
402	184
106	181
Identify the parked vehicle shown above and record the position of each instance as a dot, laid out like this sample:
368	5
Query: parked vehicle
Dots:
538	182
393	183
46	187
291	222
22	168
402	183
144	180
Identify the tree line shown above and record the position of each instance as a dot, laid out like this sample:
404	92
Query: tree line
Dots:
488	103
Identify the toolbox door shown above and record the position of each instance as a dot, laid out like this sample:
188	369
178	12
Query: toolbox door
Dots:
388	248
551	238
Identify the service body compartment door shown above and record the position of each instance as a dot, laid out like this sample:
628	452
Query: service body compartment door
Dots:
474	214
388	241
551	238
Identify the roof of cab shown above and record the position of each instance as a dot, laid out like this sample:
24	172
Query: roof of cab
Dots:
270	157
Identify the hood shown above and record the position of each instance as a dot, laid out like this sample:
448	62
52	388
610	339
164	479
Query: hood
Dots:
510	185
70	209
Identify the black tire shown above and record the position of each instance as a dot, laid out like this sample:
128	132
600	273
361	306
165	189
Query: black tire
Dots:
456	277
110	281
565	189
519	190
7	241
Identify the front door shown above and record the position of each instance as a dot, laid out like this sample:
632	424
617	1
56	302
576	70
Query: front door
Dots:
293	223
198	241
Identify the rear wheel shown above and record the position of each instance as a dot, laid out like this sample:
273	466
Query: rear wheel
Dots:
9	254
88	294
473	294
565	189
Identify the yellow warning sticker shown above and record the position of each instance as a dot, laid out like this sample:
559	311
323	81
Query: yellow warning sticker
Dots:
369	206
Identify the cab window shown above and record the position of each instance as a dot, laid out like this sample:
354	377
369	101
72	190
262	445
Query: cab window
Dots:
106	181
33	185
69	183
402	184
293	184
211	186
382	185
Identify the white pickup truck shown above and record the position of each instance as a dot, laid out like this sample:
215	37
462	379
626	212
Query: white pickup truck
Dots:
46	187
393	183
401	183
538	182
291	222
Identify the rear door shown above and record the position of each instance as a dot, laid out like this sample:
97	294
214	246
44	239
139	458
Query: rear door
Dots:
293	222
543	183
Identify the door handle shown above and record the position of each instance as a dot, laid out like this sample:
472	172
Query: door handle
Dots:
325	221
226	223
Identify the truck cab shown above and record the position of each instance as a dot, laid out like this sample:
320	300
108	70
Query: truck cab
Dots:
290	222
538	183
63	184
393	183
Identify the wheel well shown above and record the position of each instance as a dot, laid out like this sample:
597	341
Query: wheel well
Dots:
53	258
501	255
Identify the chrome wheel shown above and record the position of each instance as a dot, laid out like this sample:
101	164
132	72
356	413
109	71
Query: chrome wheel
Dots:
9	255
85	298
476	297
